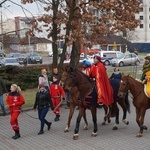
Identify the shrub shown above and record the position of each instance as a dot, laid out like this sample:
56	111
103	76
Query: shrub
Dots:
26	77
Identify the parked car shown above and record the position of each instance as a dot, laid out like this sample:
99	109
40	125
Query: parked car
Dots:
33	58
50	54
126	59
20	58
107	56
9	61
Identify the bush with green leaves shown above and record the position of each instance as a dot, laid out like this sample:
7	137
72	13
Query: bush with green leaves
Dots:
26	76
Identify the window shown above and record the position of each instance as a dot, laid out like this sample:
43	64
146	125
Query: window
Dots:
141	17
142	9
141	26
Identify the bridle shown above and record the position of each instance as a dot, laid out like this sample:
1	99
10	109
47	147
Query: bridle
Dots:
125	90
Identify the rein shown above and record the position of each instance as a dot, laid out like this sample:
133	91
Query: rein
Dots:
127	83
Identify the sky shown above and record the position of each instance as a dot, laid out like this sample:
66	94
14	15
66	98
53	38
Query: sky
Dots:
13	8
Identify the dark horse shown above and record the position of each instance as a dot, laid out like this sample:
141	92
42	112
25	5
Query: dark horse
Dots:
140	100
114	111
74	93
85	93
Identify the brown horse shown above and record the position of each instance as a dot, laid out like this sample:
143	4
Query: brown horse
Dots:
140	100
109	112
74	93
73	101
84	87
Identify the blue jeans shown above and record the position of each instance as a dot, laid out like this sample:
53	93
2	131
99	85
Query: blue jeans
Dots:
2	104
42	114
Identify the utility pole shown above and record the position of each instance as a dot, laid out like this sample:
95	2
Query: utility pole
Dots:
2	26
2	32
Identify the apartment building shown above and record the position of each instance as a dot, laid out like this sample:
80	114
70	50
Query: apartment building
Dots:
142	32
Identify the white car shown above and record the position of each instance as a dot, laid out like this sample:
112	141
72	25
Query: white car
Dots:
90	59
50	54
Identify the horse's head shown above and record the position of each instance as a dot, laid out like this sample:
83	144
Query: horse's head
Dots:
124	86
71	78
64	76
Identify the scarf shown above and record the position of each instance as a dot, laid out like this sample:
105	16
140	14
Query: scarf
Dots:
146	67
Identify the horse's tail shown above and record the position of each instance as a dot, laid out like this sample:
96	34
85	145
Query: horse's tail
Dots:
127	103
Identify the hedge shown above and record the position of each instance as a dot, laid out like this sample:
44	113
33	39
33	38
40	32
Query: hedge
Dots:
25	76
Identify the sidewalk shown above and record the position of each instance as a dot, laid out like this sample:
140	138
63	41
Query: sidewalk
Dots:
55	139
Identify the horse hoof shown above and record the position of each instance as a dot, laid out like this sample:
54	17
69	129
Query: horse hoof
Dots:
66	130
85	128
145	127
75	136
109	121
103	123
139	134
115	128
126	121
94	134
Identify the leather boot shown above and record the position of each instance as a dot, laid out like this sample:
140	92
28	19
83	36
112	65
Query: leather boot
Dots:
17	135
49	125
56	118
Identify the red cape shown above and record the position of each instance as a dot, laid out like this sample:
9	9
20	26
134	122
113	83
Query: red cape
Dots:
104	89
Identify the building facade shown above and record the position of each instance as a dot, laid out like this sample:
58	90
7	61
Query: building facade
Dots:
142	32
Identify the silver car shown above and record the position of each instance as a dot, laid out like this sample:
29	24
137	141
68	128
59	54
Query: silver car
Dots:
9	62
125	59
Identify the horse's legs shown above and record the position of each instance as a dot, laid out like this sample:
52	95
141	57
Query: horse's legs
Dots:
81	112
94	117
124	108
85	120
71	112
115	113
141	121
107	115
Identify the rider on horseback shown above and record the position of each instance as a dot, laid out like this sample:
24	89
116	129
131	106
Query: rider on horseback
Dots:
104	89
146	75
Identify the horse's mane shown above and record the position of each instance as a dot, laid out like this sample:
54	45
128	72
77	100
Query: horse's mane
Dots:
134	82
85	76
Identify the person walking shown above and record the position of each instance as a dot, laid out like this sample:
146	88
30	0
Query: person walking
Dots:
56	92
43	78
116	74
14	101
55	73
104	89
42	103
3	90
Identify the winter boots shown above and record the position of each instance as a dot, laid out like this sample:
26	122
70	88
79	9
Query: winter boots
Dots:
49	126
17	135
56	118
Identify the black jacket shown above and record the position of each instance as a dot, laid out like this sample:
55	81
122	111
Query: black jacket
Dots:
43	100
2	87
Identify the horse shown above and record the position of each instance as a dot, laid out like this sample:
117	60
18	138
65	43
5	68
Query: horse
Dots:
123	102
87	97
140	100
74	101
